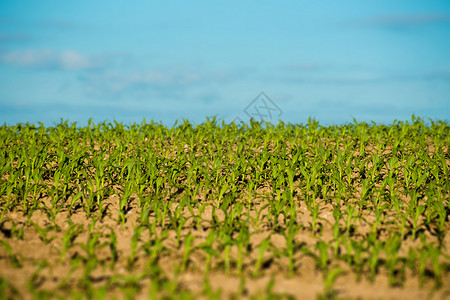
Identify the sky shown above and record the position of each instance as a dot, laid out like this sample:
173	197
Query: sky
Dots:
126	61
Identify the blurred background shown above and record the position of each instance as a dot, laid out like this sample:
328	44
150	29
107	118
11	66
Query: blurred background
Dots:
173	60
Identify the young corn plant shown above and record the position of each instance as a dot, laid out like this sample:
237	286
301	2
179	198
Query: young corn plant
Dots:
259	261
67	241
188	241
323	257
391	249
134	247
16	259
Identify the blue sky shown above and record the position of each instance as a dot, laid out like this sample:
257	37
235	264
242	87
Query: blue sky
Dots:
165	61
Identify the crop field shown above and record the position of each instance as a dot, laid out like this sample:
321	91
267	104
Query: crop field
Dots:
225	211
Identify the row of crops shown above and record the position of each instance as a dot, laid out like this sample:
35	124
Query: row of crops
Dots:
219	210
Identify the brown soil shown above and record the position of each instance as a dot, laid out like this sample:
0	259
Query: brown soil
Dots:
38	266
43	266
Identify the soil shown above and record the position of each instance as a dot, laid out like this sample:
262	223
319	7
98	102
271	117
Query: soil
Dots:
34	263
43	266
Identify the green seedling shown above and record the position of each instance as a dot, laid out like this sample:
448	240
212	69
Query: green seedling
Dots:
188	240
391	249
71	233
113	248
373	260
133	247
261	250
322	258
15	258
43	233
329	281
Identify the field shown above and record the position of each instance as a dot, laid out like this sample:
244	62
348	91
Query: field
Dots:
217	211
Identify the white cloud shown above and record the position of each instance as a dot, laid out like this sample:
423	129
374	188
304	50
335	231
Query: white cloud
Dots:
72	60
47	59
117	82
166	82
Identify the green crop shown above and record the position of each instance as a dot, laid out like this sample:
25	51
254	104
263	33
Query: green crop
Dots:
219	210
